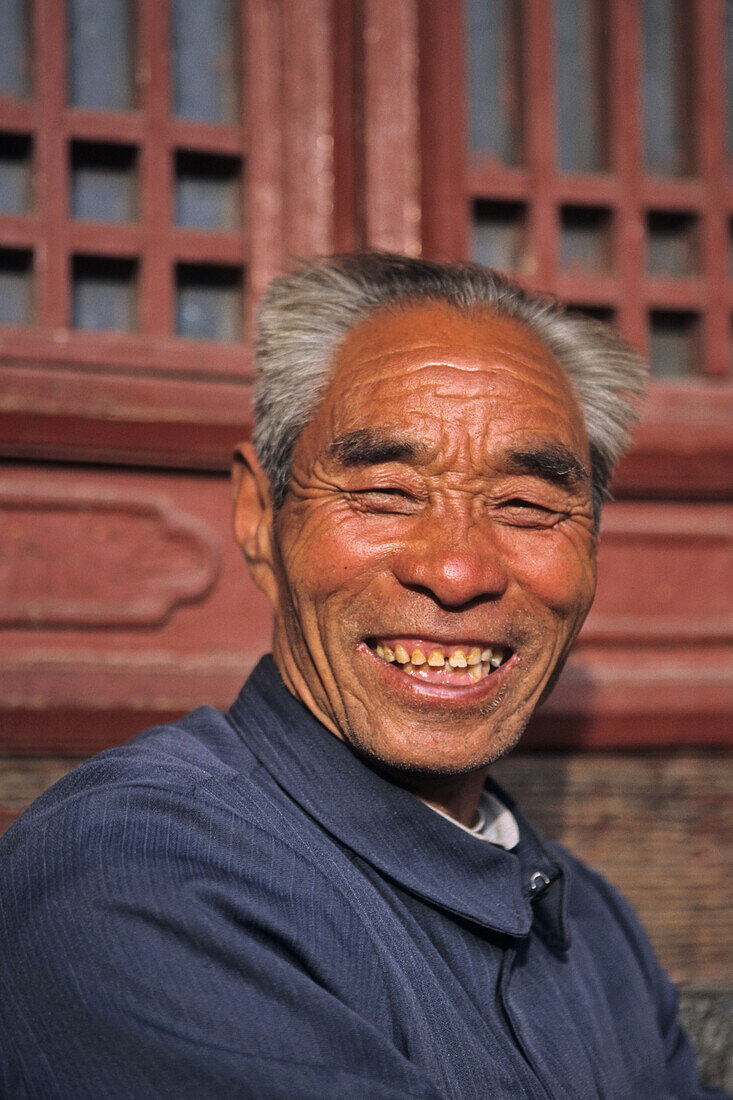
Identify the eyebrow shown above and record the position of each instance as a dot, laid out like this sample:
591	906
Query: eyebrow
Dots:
370	447
551	461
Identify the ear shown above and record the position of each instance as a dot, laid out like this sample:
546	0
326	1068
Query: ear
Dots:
253	519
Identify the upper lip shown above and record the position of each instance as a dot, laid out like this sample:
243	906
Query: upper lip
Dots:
434	639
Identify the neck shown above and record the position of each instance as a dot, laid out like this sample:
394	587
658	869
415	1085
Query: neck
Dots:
456	795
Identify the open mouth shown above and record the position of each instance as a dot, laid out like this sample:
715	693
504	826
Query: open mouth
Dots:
438	663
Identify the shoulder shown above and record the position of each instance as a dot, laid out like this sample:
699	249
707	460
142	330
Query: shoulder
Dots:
177	796
162	769
163	914
179	824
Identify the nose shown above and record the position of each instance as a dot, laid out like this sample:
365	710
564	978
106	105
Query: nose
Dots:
453	561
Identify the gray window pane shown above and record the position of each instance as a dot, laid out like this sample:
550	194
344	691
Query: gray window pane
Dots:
209	302
585	240
494	86
673	343
672	244
204	39
14	48
604	314
499	235
103	182
104	294
15	174
667	44
101	62
16	286
208	193
580	64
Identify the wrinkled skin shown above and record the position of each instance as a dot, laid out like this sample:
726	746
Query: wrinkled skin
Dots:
455	543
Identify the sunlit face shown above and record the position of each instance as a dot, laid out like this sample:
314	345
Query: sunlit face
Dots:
435	552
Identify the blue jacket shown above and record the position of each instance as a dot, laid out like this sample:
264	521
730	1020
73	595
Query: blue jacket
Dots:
236	906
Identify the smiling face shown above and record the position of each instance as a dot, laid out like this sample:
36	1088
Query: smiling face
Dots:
434	558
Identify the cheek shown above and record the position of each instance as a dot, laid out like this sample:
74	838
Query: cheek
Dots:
325	558
558	569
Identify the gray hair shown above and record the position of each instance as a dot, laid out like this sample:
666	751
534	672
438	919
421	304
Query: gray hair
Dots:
305	315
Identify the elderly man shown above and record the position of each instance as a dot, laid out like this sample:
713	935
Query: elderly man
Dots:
320	893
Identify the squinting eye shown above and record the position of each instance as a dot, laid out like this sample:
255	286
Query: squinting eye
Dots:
387	500
527	513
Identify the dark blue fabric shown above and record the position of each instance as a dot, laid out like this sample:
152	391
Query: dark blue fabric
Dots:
236	906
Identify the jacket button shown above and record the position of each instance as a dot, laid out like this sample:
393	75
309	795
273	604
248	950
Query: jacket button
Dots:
538	880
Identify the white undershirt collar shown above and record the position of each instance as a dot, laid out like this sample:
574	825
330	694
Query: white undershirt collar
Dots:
496	822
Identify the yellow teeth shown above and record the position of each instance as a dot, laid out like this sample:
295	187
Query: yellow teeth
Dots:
479	662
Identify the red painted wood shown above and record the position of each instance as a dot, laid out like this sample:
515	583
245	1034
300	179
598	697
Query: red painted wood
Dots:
391	179
263	35
209	137
159	565
674	294
157	304
19	230
306	120
121	352
347	166
209	246
89	125
105	239
709	71
17	117
630	253
442	79
541	139
178	443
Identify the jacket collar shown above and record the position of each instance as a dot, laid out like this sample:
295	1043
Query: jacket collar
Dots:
392	829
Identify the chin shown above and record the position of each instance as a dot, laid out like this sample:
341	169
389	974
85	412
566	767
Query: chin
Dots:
437	755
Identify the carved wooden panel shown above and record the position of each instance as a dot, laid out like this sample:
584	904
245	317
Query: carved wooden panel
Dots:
94	556
129	602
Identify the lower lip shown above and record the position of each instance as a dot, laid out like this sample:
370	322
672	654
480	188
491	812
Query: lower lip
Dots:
413	685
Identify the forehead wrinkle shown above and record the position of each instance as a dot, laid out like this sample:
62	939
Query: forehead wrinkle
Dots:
457	381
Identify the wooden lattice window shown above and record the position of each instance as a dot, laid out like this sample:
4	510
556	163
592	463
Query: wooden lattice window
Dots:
122	154
586	146
598	161
160	160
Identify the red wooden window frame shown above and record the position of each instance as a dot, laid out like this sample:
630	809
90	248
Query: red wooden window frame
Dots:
684	447
154	241
151	397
